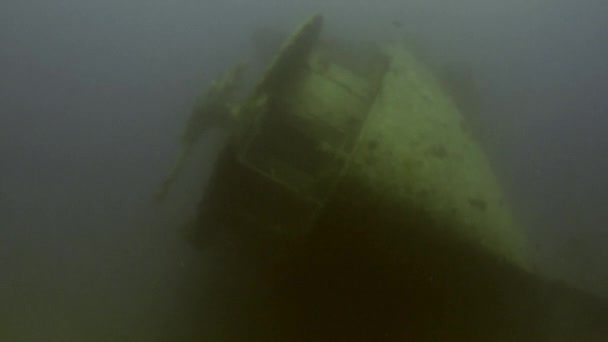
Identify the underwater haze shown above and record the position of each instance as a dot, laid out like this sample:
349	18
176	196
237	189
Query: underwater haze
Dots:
93	95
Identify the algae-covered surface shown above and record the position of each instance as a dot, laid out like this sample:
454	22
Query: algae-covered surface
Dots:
415	148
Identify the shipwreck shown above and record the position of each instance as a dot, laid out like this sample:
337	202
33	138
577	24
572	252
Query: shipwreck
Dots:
351	202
